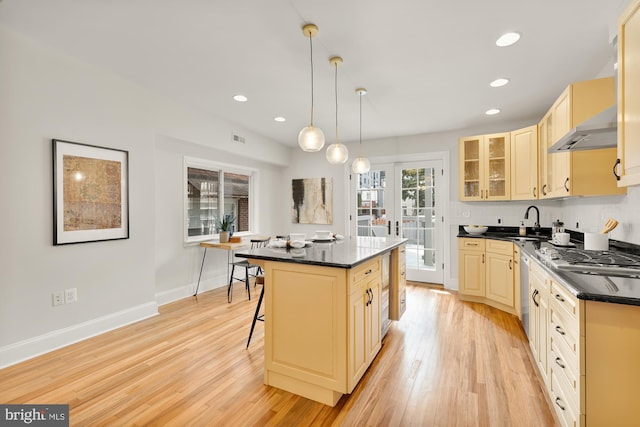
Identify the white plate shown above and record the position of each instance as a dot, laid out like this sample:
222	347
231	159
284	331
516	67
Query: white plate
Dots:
316	239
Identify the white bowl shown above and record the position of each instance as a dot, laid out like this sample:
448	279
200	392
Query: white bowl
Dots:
323	234
476	229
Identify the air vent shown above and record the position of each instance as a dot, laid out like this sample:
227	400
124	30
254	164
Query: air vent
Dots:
237	138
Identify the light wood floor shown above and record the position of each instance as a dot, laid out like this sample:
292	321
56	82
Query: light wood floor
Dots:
446	363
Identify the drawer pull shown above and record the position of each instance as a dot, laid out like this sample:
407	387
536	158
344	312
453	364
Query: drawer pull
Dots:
558	400
559	298
560	330
472	244
367	272
558	362
510	266
533	297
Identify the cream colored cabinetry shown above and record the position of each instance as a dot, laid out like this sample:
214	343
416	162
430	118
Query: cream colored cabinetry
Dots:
364	319
484	167
586	352
566	358
524	164
629	95
499	272
576	173
485	272
471	267
538	318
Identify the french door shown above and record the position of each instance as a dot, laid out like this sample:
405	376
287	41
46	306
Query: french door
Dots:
405	199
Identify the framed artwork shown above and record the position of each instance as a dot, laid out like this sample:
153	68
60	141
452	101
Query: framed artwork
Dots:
312	201
90	193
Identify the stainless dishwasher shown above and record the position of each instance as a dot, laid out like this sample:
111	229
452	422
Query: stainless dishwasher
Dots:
524	286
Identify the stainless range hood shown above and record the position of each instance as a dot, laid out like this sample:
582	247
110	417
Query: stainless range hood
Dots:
600	131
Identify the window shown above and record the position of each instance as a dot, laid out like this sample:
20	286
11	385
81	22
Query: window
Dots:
213	190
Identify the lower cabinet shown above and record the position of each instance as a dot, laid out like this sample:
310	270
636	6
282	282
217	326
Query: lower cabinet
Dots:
486	272
538	318
364	321
586	352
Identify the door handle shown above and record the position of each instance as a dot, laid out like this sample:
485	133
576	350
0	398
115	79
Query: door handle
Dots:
389	228
533	297
510	267
544	193
565	184
534	192
397	229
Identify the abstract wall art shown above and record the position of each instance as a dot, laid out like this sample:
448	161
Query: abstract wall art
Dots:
312	201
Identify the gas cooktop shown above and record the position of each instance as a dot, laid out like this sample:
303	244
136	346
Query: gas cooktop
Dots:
612	263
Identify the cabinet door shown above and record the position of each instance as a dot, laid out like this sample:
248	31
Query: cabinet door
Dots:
534	313
470	168
472	273
499	282
543	174
497	152
358	317
373	326
524	163
628	95
543	335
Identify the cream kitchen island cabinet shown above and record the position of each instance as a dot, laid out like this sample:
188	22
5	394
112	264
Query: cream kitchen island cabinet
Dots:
323	313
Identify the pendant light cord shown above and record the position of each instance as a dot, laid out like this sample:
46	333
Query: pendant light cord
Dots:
336	93
311	50
360	125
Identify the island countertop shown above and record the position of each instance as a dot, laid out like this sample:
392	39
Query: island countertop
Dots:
344	253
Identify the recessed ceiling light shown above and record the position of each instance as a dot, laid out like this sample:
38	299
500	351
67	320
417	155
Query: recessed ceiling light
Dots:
280	119
499	82
507	39
240	98
492	111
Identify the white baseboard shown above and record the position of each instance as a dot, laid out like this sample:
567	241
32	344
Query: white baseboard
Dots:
32	347
175	294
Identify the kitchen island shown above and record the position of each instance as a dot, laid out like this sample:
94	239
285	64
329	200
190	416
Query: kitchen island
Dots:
323	310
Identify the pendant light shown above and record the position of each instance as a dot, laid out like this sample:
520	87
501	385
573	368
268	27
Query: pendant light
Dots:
311	138
337	153
361	164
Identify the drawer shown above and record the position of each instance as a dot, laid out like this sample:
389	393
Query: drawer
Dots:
540	276
499	247
471	244
365	270
565	301
567	368
561	328
565	407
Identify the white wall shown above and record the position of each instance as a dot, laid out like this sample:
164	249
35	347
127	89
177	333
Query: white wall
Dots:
46	94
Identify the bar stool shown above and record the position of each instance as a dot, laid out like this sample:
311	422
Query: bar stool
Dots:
250	270
257	316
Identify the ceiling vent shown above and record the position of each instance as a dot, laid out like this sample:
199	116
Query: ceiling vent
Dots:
237	138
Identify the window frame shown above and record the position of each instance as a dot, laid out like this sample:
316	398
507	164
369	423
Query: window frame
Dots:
221	168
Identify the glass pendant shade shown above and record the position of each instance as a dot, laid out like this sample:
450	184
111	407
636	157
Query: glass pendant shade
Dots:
311	139
361	165
337	154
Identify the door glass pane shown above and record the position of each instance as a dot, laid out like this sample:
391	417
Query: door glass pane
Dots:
418	217
371	203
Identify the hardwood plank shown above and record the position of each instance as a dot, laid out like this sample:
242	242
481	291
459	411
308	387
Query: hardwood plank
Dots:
445	363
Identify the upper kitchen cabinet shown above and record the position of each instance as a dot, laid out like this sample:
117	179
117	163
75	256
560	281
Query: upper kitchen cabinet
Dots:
484	167
629	95
577	173
524	164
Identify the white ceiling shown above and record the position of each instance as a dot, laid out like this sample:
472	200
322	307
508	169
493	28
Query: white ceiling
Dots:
427	64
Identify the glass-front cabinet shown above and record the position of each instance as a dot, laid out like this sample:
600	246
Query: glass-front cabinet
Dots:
484	167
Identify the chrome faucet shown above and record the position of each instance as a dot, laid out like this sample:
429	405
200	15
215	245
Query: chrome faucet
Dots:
536	225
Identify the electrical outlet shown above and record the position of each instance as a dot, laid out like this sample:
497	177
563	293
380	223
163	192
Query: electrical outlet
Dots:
70	295
58	298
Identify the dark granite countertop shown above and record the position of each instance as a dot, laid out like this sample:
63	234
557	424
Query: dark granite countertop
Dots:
345	253
617	290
